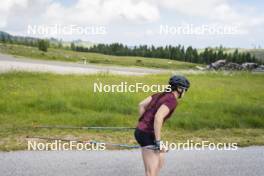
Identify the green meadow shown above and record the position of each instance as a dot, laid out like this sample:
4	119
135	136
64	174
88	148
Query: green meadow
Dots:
220	107
93	58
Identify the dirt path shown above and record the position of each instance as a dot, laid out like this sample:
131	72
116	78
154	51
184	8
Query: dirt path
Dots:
8	63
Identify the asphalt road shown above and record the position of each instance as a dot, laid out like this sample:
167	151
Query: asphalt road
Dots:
9	63
242	162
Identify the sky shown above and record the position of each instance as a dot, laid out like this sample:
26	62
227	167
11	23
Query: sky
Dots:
199	23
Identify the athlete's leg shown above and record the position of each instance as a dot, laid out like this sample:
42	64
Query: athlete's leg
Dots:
161	160
151	160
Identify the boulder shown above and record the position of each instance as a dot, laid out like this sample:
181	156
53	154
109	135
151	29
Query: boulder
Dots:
259	69
249	65
232	66
224	65
217	64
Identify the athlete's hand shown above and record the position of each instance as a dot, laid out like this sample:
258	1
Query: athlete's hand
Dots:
158	146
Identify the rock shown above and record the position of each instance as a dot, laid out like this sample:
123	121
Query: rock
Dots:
224	65
249	65
218	64
259	69
232	66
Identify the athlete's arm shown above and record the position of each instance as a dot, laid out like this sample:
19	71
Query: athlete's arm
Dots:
162	112
143	104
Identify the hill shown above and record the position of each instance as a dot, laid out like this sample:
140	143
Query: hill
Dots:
4	36
74	56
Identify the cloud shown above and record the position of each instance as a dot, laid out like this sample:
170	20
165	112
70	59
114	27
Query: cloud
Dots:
215	10
83	12
5	9
191	7
140	17
109	11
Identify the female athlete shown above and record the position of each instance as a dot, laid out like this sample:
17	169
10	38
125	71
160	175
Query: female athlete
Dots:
154	111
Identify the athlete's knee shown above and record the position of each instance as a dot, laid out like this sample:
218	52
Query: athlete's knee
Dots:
150	173
161	163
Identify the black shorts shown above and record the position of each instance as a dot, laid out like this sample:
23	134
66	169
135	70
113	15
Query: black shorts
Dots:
144	138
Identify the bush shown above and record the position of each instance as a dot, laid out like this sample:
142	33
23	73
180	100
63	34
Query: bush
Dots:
43	45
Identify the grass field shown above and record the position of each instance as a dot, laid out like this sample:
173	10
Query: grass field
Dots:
218	107
73	56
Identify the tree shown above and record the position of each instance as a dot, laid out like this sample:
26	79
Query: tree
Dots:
189	54
179	52
43	45
73	46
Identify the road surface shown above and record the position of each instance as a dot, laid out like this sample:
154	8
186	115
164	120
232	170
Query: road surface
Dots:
9	63
247	161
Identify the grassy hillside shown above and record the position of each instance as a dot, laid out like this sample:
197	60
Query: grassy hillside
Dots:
85	44
259	53
73	56
218	107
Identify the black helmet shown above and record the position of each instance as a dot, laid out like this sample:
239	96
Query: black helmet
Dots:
178	81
